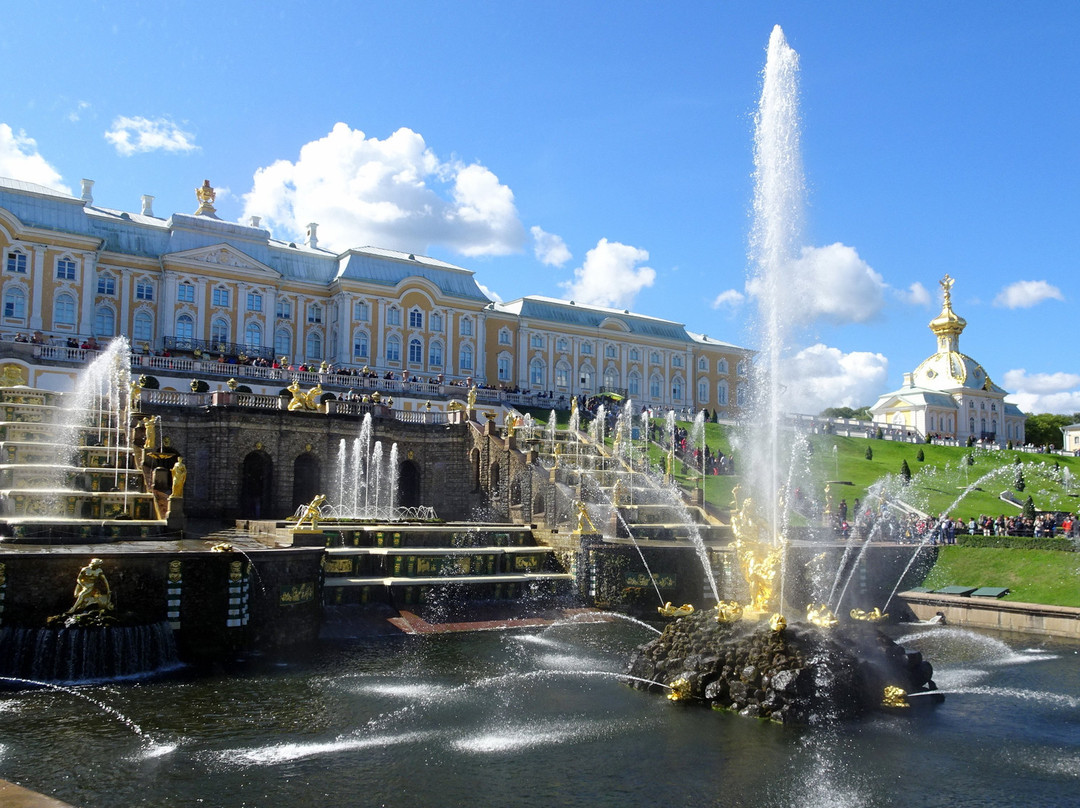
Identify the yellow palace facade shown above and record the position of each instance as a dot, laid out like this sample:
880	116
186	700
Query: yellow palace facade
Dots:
75	273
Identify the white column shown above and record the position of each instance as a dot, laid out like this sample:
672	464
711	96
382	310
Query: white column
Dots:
123	289
89	288
166	319
37	274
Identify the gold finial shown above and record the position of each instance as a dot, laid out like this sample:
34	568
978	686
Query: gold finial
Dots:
946	288
206	196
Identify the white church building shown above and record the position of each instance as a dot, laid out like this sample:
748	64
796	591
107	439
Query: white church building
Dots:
950	394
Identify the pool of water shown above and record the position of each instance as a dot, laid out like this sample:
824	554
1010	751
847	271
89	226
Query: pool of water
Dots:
541	718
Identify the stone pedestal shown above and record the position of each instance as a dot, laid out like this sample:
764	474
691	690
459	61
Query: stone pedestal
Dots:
175	520
308	537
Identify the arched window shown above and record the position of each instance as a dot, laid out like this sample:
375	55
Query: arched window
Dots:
466	327
585	377
219	332
611	378
465	358
721	394
633	384
360	345
435	321
313	348
185	328
416	351
144	328
104	322
740	394
314	313
393	316
502	364
721	366
283	342
15	303
64	310
703	391
393	350
740	368
504	336
65	269
435	353
562	374
635	355
971	425
561	345
253	335
360	311
677	389
536	373
416	318
703	364
655	387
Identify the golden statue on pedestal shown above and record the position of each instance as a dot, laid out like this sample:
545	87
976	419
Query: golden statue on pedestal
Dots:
92	590
179	476
583	519
312	513
206	196
758	555
302	400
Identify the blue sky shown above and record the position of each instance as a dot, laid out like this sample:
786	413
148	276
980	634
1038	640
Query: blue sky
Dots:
603	152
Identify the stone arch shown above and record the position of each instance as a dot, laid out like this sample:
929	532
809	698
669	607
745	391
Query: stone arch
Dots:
538	504
515	491
257	487
409	484
306	479
493	479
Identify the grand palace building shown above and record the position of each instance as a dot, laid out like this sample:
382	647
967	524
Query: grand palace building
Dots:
196	286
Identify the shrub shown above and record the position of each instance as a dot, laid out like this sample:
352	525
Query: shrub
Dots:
905	471
920	456
869	453
149	383
199	386
1016	542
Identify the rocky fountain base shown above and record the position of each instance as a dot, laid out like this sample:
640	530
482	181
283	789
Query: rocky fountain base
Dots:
799	674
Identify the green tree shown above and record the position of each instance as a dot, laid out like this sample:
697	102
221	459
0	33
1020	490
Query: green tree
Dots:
920	456
1029	508
860	414
869	453
905	471
1018	483
1045	429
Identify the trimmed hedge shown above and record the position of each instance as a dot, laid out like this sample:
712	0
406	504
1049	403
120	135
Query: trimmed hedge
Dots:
1017	543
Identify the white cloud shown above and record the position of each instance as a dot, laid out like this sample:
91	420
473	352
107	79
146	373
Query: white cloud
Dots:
549	248
76	113
1057	393
819	376
916	295
1025	294
491	295
827	283
732	298
393	193
610	276
19	160
137	135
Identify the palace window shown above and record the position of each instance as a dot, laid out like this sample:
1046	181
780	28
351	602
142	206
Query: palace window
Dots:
677	389
106	285
254	301
635	355
561	345
721	366
15	303
740	394
416	318
314	346
562	375
393	350
220	296
283	342
466	327
654	357
721	394
185	328
361	311
64	310
16	262
104	322
219	332
144	290
360	345
703	364
586	378
65	270
284	310
253	335
465	358
586	348
703	391
314	313
435	354
435	322
536	341
185	293
393	316
504	336
504	368
655	386
633	384
740	368
611	378
676	361
536	373
144	327
416	352
610	351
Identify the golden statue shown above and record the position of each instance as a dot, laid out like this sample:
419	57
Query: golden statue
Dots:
222	547
583	519
728	611
312	513
511	423
179	475
667	610
820	615
777	622
946	289
471	400
13	376
617	493
894	696
875	615
206	196
680	690
302	400
759	558
91	589
136	394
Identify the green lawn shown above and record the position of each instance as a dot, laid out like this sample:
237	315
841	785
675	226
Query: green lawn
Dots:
1033	576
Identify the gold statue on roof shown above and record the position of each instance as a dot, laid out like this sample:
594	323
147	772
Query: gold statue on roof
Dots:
946	289
206	196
